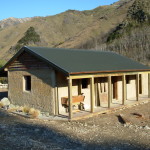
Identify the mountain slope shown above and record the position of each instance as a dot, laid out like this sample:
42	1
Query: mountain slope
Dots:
12	21
106	19
71	29
137	15
132	37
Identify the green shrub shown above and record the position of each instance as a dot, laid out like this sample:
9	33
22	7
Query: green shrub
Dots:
30	36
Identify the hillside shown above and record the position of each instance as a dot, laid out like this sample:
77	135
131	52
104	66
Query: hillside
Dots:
12	21
70	29
132	37
123	27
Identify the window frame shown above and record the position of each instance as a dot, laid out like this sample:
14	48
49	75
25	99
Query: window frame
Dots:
27	83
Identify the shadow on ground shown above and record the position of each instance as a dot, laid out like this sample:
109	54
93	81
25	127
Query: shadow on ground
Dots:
18	133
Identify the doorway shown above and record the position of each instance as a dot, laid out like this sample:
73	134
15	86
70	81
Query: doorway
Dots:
115	88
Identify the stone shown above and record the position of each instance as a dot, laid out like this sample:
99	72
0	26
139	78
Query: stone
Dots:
5	102
85	125
46	114
12	106
147	127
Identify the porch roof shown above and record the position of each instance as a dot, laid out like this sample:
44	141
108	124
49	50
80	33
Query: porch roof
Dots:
74	61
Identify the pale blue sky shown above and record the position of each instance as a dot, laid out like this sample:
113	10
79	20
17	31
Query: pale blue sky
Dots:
31	8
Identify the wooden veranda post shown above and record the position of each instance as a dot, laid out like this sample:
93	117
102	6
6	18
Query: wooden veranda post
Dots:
124	89
70	97
79	87
109	91
56	101
96	91
149	85
137	87
92	93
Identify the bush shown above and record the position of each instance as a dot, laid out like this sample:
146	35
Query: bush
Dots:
30	36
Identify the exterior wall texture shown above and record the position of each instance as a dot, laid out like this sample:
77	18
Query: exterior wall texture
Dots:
41	95
145	84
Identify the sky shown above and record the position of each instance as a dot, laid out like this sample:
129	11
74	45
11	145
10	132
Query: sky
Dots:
31	8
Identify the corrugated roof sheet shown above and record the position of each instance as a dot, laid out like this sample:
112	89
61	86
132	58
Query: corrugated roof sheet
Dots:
74	61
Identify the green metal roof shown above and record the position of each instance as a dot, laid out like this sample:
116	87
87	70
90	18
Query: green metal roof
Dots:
73	61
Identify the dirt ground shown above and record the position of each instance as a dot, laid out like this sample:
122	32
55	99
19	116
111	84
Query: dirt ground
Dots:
102	132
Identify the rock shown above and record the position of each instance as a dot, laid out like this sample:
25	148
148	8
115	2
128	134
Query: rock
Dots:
85	125
147	127
124	125
46	114
12	106
5	102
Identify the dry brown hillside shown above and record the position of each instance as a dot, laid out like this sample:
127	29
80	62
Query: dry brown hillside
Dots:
106	18
69	29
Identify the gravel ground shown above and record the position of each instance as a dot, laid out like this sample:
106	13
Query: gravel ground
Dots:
102	132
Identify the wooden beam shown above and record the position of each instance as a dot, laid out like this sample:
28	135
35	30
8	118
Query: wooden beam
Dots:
109	91
79	87
96	91
140	83
56	101
99	93
92	93
124	90
149	85
137	87
105	75
70	97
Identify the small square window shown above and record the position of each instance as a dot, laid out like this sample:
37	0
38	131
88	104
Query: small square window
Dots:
27	83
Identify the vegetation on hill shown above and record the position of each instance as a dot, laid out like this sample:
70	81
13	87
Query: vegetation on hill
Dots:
131	37
30	37
123	27
68	29
138	16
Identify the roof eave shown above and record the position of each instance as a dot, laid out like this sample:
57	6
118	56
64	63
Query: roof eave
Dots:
110	71
36	55
13	58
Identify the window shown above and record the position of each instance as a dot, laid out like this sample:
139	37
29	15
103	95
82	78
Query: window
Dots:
27	83
84	83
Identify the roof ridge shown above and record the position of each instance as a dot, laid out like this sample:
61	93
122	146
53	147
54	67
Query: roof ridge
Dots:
72	49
